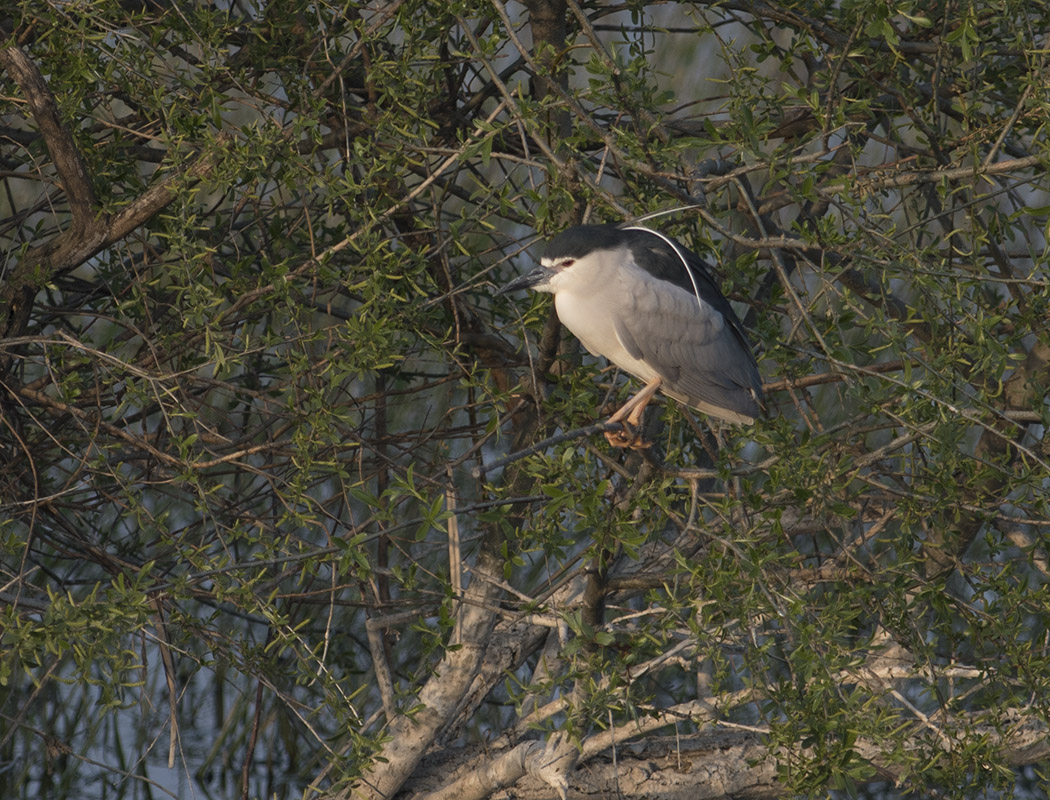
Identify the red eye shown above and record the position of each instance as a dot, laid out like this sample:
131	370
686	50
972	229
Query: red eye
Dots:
566	262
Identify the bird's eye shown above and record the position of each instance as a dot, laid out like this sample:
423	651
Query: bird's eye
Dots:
565	263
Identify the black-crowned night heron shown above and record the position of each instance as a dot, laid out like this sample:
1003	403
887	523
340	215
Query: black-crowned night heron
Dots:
651	307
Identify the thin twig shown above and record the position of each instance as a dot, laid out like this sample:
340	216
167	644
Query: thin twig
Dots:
579	433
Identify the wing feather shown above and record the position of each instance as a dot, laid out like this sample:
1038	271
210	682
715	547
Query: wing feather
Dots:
695	349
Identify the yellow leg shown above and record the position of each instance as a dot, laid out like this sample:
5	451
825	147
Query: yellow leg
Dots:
632	410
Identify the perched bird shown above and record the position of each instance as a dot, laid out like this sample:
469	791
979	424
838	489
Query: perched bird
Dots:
652	308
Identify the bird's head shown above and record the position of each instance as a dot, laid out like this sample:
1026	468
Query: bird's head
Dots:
566	254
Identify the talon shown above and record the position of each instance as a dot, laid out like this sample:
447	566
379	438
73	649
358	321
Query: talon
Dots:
630	419
627	438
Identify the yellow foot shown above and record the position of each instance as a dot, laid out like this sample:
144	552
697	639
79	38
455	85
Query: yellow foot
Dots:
628	437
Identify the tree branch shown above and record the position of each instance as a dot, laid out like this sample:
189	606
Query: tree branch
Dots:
90	231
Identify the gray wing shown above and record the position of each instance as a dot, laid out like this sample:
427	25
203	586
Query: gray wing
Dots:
699	353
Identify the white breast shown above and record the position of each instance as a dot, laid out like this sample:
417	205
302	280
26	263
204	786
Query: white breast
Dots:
588	305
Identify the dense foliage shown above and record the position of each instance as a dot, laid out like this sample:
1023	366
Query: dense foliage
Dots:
291	501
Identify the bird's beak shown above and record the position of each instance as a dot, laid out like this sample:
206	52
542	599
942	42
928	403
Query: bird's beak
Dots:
538	276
